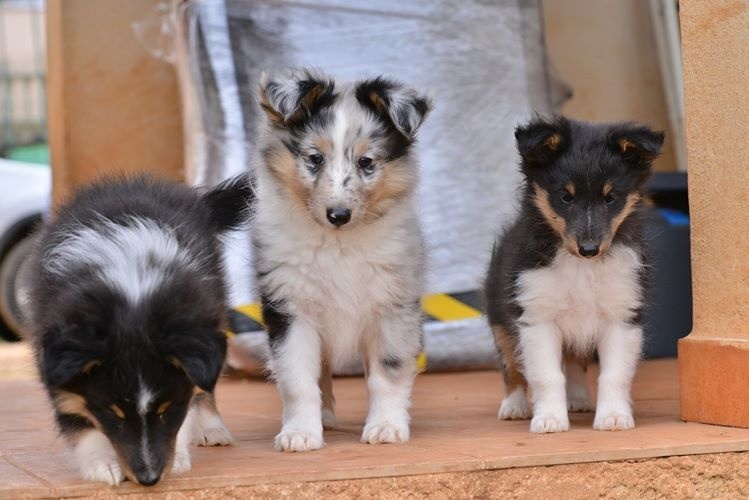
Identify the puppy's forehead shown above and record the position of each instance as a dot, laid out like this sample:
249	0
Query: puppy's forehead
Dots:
345	122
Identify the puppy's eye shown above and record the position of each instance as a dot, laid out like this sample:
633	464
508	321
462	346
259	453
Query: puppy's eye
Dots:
365	163
567	198
316	161
609	198
117	412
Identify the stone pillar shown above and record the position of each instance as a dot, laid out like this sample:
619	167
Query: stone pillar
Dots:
714	358
112	107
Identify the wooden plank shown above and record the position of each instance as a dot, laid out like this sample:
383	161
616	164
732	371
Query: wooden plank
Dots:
454	429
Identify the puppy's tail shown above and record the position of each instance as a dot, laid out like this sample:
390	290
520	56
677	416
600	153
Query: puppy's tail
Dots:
231	202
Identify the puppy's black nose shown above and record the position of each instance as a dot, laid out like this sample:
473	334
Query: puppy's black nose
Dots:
147	477
588	248
338	216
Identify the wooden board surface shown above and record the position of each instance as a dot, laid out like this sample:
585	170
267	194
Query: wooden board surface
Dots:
454	429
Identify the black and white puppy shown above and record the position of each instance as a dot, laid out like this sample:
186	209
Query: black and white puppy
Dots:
568	278
127	309
338	248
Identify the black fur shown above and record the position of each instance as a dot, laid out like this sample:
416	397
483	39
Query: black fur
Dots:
94	343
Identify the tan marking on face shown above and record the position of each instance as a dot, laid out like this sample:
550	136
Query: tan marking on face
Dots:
553	141
570	188
361	148
117	411
396	181
514	378
607	188
282	165
629	207
163	407
197	391
323	145
73	404
557	222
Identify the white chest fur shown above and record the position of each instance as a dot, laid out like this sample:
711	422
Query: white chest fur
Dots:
582	297
340	281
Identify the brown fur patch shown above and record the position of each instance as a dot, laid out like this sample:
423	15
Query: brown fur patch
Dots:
557	222
553	141
282	166
629	207
607	188
513	377
72	404
323	145
625	144
397	180
163	407
570	188
117	411
378	102
361	148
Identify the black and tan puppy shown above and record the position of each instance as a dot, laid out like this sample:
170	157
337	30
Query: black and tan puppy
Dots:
567	279
126	311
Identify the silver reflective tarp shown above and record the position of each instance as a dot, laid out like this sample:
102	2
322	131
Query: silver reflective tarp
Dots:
484	64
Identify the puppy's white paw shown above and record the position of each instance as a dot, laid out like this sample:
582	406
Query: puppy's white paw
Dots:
103	470
328	419
217	435
547	422
385	432
613	421
514	407
97	459
181	462
298	440
579	404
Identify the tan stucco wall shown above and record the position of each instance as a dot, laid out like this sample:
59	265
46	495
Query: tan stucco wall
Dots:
605	50
716	75
112	107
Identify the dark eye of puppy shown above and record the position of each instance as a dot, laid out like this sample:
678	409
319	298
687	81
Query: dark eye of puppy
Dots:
567	198
609	198
365	163
316	162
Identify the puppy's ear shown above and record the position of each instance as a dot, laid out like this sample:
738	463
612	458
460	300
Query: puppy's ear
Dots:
229	202
541	140
399	104
639	145
67	354
291	98
200	354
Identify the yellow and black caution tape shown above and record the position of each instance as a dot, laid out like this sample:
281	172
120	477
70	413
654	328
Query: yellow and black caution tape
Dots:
437	307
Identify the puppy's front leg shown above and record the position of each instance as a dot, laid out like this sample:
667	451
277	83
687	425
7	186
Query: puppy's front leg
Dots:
619	350
541	356
391	368
296	362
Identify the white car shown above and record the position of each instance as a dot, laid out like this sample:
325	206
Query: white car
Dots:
25	190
